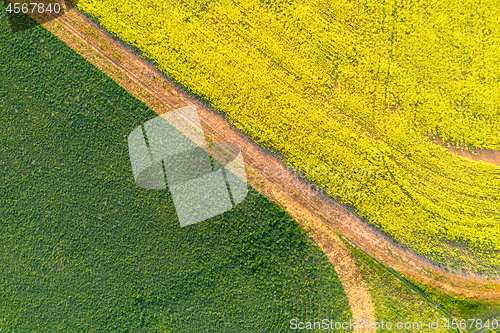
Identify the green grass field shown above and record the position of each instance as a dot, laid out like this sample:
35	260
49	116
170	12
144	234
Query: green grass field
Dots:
85	250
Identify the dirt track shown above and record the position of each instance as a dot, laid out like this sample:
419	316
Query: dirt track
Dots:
485	155
316	212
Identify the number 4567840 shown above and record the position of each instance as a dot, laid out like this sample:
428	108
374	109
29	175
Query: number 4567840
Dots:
40	8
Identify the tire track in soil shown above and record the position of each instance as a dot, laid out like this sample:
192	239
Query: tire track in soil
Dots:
485	155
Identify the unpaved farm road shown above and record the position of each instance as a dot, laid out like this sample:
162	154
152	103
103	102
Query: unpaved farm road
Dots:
320	215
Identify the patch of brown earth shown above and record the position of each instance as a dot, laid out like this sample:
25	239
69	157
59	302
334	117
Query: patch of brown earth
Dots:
485	155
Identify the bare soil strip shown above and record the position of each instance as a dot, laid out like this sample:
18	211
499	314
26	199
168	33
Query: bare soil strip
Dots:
324	215
485	155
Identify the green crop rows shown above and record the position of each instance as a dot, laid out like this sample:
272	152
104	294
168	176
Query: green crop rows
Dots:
85	250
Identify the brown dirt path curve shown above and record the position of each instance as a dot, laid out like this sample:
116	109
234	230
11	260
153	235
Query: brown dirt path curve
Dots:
485	155
268	174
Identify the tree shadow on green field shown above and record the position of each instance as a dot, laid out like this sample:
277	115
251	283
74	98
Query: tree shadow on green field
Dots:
20	21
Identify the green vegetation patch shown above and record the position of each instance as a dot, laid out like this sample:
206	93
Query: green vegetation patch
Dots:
85	249
486	314
395	302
